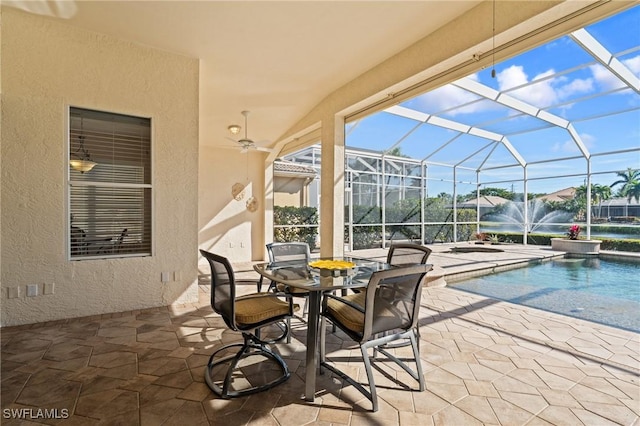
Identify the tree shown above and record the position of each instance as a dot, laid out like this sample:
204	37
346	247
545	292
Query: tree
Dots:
445	197
633	191
504	193
600	193
627	180
396	152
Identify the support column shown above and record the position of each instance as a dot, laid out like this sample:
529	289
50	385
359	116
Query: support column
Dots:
332	187
268	204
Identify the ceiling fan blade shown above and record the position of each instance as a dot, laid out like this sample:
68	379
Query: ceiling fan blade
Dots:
234	147
264	149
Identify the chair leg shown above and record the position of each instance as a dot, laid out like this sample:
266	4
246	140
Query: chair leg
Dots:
410	334
415	344
372	385
245	351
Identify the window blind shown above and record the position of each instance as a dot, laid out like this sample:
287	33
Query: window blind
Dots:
110	205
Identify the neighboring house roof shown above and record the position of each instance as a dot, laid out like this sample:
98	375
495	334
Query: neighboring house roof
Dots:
562	195
485	201
619	202
287	168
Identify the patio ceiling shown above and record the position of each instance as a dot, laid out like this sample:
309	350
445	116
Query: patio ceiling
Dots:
480	122
275	59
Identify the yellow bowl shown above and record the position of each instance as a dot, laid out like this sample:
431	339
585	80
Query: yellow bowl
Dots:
332	264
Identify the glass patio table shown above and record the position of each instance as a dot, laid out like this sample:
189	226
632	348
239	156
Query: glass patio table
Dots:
299	274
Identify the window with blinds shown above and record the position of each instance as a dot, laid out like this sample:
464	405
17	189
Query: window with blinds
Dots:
109	185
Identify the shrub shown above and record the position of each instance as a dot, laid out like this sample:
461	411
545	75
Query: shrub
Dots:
292	216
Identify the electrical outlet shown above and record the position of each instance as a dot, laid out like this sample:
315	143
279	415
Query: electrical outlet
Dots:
14	292
241	244
49	288
164	277
230	245
32	290
177	276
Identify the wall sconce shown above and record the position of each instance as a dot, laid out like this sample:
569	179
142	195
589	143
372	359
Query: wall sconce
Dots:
83	162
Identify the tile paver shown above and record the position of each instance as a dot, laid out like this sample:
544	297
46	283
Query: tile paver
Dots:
485	362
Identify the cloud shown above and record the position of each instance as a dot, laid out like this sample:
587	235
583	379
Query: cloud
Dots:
569	146
547	91
607	80
542	93
578	85
450	96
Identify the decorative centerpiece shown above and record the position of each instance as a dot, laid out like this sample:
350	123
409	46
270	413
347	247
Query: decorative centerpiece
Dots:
573	245
334	268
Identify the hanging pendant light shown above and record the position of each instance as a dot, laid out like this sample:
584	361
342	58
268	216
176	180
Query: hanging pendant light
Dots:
82	161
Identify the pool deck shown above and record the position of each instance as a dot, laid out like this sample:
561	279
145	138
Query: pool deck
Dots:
485	362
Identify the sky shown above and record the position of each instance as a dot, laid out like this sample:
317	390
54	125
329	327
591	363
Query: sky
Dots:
560	78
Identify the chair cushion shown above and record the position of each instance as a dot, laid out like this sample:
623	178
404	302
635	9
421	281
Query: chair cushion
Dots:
292	290
386	315
259	307
346	315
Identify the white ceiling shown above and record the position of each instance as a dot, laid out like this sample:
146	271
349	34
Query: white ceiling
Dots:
275	59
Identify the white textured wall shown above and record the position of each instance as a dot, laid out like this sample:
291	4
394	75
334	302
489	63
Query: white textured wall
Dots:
226	227
47	66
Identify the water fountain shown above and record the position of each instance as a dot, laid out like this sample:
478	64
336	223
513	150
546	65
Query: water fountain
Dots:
537	216
537	219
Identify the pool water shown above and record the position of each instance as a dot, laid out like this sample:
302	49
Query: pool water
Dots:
603	291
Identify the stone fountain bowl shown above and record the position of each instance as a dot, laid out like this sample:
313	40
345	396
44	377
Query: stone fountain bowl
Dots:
576	246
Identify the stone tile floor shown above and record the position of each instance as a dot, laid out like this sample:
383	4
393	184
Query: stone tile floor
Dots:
485	362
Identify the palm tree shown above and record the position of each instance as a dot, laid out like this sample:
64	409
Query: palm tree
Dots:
633	190
600	193
628	178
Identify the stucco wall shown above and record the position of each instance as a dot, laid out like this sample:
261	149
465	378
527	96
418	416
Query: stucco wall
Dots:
226	226
47	66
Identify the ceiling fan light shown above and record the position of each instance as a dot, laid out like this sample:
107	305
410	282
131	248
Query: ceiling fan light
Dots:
234	129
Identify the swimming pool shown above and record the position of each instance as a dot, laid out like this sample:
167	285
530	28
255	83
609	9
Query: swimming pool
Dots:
594	289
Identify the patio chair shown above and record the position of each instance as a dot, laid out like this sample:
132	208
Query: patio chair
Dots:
78	244
118	243
403	254
246	314
289	252
366	317
407	254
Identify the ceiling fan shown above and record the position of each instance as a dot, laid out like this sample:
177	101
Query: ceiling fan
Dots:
245	143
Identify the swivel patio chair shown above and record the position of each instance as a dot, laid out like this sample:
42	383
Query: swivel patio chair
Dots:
366	317
246	314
